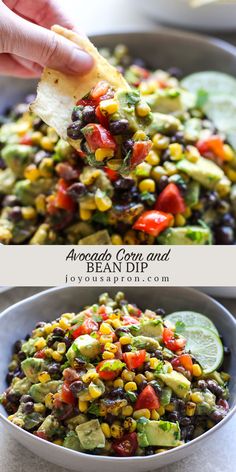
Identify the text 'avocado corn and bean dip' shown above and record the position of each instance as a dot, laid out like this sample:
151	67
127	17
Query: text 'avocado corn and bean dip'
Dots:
114	380
157	164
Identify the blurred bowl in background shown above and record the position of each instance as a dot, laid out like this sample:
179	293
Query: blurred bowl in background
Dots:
212	17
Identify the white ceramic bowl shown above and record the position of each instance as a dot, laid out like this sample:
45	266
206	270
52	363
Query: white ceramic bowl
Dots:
19	319
212	17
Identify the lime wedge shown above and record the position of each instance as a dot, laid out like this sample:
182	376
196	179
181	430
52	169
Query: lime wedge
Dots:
205	346
214	83
191	318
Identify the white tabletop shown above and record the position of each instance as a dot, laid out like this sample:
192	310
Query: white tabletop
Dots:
217	455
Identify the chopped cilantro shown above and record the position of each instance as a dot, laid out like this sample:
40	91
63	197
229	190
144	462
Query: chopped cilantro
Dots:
94	409
116	364
132	397
125	167
202	97
148	197
100	217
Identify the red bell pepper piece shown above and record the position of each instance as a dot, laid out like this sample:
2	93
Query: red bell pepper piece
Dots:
98	137
126	446
27	140
171	342
134	360
103	120
40	354
109	373
139	152
153	222
212	144
186	361
99	90
62	199
87	327
147	399
170	200
66	395
112	174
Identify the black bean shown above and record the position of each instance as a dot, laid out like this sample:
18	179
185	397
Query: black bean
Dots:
119	126
218	415
76	190
121	331
142	385
9	378
40	324
228	220
10	201
20	374
117	393
165	156
39	156
2	164
79	363
59	332
127	146
13	397
162	183
215	388
127	348
67	342
160	311
180	404
173	416
155	385
17	347
158	354
189	432
74	130
149	451
28	407
224	235
15	214
27	337
54	369
26	399
185	421
178	138
77	113
21	356
76	387
202	384
175	72
88	114
124	184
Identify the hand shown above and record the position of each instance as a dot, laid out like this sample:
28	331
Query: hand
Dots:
27	44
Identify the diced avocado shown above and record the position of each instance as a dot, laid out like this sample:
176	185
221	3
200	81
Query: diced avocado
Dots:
215	376
204	171
62	150
166	394
41	235
90	435
32	366
22	230
152	328
27	191
169	101
127	102
164	124
192	129
145	342
28	347
177	382
158	433
50	426
84	346
17	157
187	235
21	386
72	441
40	390
6	228
7	180
192	194
32	420
98	238
76	420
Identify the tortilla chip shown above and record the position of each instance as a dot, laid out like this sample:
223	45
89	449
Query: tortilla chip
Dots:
58	93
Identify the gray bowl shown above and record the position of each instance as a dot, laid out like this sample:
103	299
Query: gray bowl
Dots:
19	319
162	48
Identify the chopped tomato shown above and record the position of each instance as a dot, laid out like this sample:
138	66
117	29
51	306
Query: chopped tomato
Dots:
186	361
112	174
26	140
99	90
171	342
212	144
87	327
103	120
41	435
86	102
109	373
130	320
134	360
62	199
40	354
139	152
147	399
153	222
66	395
126	446
98	137
170	200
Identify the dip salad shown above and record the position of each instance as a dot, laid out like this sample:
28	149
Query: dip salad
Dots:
114	380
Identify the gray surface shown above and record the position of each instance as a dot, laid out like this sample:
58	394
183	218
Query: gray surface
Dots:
215	456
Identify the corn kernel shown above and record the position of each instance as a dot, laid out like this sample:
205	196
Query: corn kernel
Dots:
149	376
139	136
106	338
223	186
144	412
158	172
85	397
44	377
63	323
49	400
125	340
149	87
160	142
90	376
106	430
31	172
130	238
40	344
52	134
85	215
196	397
46	143
187	213
142	109
170	168
108	355
103	153
143	169
147	185
231	174
130	424
127	410
61	348
179	220
39	408
111	347
105	329
190	408
48	352
36	137
118	383
109	106
116	324
56	356
155	415
228	153
58	442
192	154
116	240
161	410
152	158
130	387
139	378
196	370
127	375
154	363
117	431
48	328
170	407
83	406
23	127
94	391
176	151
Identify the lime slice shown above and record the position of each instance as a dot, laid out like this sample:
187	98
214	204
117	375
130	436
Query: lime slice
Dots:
191	318
214	83
221	110
205	346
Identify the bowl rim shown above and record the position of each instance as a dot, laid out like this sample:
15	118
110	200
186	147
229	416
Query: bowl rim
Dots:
148	459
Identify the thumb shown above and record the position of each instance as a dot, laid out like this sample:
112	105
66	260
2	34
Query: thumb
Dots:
46	48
